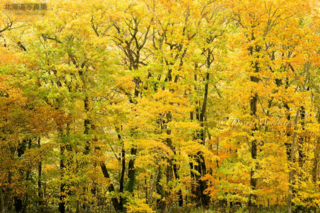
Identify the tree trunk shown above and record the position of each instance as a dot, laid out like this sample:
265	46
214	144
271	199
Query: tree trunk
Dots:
131	171
202	198
18	203
62	207
254	151
2	209
160	191
40	194
117	206
153	187
290	191
175	170
123	162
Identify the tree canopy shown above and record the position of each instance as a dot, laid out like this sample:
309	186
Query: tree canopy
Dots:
159	106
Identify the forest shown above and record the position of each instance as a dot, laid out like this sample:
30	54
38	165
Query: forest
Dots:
159	106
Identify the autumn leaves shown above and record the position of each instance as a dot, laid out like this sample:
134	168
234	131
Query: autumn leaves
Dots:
135	102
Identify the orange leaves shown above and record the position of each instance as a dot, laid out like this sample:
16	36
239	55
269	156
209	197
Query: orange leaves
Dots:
125	84
182	88
8	57
46	119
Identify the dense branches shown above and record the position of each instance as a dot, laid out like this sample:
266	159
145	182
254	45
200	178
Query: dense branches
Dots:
139	106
